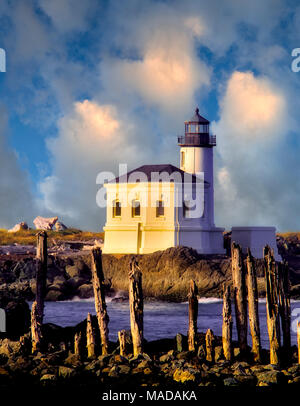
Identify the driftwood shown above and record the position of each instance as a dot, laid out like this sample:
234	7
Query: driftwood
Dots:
285	307
193	315
90	337
36	333
122	341
253	307
239	287
227	325
210	345
99	294
136	304
271	275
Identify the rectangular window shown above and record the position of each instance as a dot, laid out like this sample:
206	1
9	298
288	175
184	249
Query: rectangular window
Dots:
160	209
136	208
182	158
116	208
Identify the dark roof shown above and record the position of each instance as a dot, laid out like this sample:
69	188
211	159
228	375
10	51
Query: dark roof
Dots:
149	169
197	118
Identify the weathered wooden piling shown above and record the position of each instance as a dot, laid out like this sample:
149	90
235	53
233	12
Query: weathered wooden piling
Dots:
285	307
239	290
77	344
227	324
36	333
37	311
271	276
136	304
90	337
253	307
193	315
99	294
210	345
41	273
122	342
179	342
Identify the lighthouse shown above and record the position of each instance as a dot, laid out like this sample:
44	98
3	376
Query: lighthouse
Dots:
196	157
135	227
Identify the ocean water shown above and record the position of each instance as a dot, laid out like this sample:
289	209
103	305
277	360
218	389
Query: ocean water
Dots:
161	319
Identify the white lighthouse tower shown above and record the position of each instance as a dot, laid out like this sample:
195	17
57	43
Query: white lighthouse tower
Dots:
196	156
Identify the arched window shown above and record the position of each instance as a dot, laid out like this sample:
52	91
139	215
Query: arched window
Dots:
116	209
160	208
135	208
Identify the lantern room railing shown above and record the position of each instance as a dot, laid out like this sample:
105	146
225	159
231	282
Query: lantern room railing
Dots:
200	140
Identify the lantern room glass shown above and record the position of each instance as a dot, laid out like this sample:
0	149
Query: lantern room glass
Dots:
193	128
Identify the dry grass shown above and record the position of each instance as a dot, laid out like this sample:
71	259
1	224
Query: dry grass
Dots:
28	237
290	234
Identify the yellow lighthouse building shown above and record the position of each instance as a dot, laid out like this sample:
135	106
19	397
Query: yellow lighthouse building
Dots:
155	207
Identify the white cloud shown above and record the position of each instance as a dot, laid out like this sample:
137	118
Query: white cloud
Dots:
92	138
167	72
252	127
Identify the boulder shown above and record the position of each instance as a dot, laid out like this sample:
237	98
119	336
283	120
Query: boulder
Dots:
187	375
18	227
59	226
85	291
43	223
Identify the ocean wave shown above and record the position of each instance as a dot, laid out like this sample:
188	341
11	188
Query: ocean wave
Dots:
207	300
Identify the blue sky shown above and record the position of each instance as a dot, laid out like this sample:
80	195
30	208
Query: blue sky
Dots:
92	84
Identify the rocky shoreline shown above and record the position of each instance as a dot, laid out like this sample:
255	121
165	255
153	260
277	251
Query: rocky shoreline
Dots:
166	274
162	363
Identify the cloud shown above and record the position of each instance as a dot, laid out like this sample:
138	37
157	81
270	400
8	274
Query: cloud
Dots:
252	107
251	180
166	73
16	200
68	15
92	138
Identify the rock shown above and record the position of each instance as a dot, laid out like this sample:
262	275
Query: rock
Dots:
295	380
294	369
66	372
269	378
230	382
124	369
85	291
54	295
183	376
43	223
48	378
9	347
18	227
58	226
74	283
201	352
